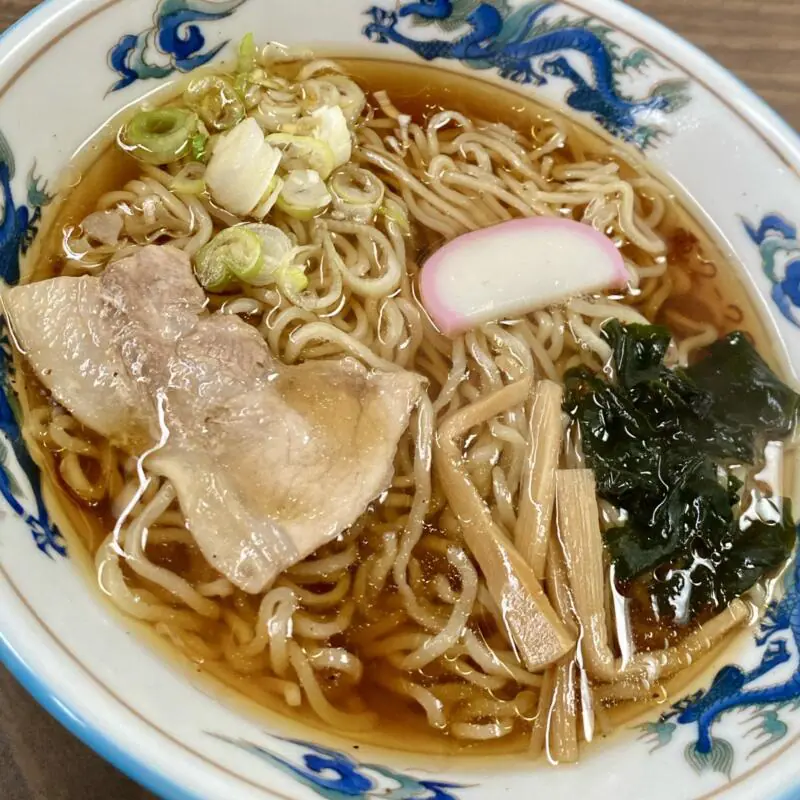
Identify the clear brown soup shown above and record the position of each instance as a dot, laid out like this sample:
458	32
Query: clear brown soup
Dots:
701	286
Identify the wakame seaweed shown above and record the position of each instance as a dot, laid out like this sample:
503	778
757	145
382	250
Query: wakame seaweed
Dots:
658	440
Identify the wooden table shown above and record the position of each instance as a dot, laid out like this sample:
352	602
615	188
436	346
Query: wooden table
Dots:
759	40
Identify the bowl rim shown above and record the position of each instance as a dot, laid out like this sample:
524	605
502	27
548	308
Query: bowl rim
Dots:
752	109
64	712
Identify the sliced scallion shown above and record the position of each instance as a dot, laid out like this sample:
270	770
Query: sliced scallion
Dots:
269	199
304	194
159	136
304	152
330	126
233	253
357	193
247	53
395	213
190	180
247	68
217	102
251	93
276	254
199	147
291	280
241	168
189	186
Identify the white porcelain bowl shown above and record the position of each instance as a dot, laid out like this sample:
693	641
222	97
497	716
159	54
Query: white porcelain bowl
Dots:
68	67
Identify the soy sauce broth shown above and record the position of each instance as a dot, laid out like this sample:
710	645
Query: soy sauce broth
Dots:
704	289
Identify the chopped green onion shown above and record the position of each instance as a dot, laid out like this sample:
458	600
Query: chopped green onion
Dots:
232	253
291	280
276	251
270	198
330	126
160	136
304	194
277	53
395	213
349	96
250	92
199	147
190	180
357	193
188	186
241	168
247	53
268	80
304	152
215	99
246	87
276	115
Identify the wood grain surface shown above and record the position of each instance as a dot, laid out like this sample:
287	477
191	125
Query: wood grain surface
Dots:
758	40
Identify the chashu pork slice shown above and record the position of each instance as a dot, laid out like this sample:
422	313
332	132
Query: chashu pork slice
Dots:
57	326
269	462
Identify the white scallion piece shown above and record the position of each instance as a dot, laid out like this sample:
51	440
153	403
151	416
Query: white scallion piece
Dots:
270	198
241	168
304	194
333	130
279	262
304	152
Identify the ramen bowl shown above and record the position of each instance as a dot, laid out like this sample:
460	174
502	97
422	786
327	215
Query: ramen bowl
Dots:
732	731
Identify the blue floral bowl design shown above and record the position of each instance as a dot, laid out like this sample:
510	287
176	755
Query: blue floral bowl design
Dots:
737	730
